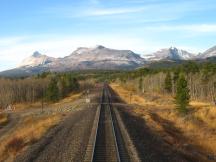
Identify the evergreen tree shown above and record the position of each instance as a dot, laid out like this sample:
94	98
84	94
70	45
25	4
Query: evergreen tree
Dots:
52	93
175	79
141	84
75	84
191	67
63	91
182	94
175	76
71	83
168	83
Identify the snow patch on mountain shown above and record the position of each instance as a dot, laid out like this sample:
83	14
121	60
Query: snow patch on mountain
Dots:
208	53
101	53
171	53
35	60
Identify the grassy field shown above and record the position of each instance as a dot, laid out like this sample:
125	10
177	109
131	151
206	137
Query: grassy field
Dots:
195	131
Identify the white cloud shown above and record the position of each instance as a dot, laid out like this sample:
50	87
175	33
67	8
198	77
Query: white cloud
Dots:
203	28
148	10
113	11
94	11
199	28
11	40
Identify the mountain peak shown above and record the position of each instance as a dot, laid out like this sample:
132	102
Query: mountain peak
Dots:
173	48
171	53
36	59
36	54
211	52
99	47
100	56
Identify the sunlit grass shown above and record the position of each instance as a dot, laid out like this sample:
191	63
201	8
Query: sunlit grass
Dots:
31	127
30	130
198	126
3	119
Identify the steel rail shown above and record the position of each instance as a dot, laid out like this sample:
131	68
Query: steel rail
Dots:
95	138
104	97
113	129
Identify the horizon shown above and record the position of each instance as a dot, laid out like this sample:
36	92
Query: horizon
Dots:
143	26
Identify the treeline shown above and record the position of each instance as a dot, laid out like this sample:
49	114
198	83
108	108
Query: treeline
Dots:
200	79
60	86
47	87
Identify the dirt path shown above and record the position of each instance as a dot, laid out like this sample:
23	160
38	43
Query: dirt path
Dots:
67	142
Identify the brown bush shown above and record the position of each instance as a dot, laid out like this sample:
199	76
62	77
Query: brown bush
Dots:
15	145
3	119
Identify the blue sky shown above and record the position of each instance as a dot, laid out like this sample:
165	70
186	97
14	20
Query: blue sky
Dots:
56	28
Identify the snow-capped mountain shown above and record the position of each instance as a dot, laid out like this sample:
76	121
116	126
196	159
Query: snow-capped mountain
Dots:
102	58
99	57
171	53
101	53
36	59
208	53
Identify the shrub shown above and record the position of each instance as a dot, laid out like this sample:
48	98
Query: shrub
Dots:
15	145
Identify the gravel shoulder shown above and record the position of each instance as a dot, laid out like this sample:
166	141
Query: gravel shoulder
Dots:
66	142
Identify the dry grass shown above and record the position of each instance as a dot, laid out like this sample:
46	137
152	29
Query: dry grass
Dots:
3	119
22	106
71	97
31	129
205	112
37	105
198	128
15	145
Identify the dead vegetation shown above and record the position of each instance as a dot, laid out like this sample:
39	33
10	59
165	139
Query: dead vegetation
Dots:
37	105
3	119
15	145
30	130
193	133
33	123
32	127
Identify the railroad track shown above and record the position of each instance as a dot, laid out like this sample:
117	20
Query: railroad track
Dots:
106	142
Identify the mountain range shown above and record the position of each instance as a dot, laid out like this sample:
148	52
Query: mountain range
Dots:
101	58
